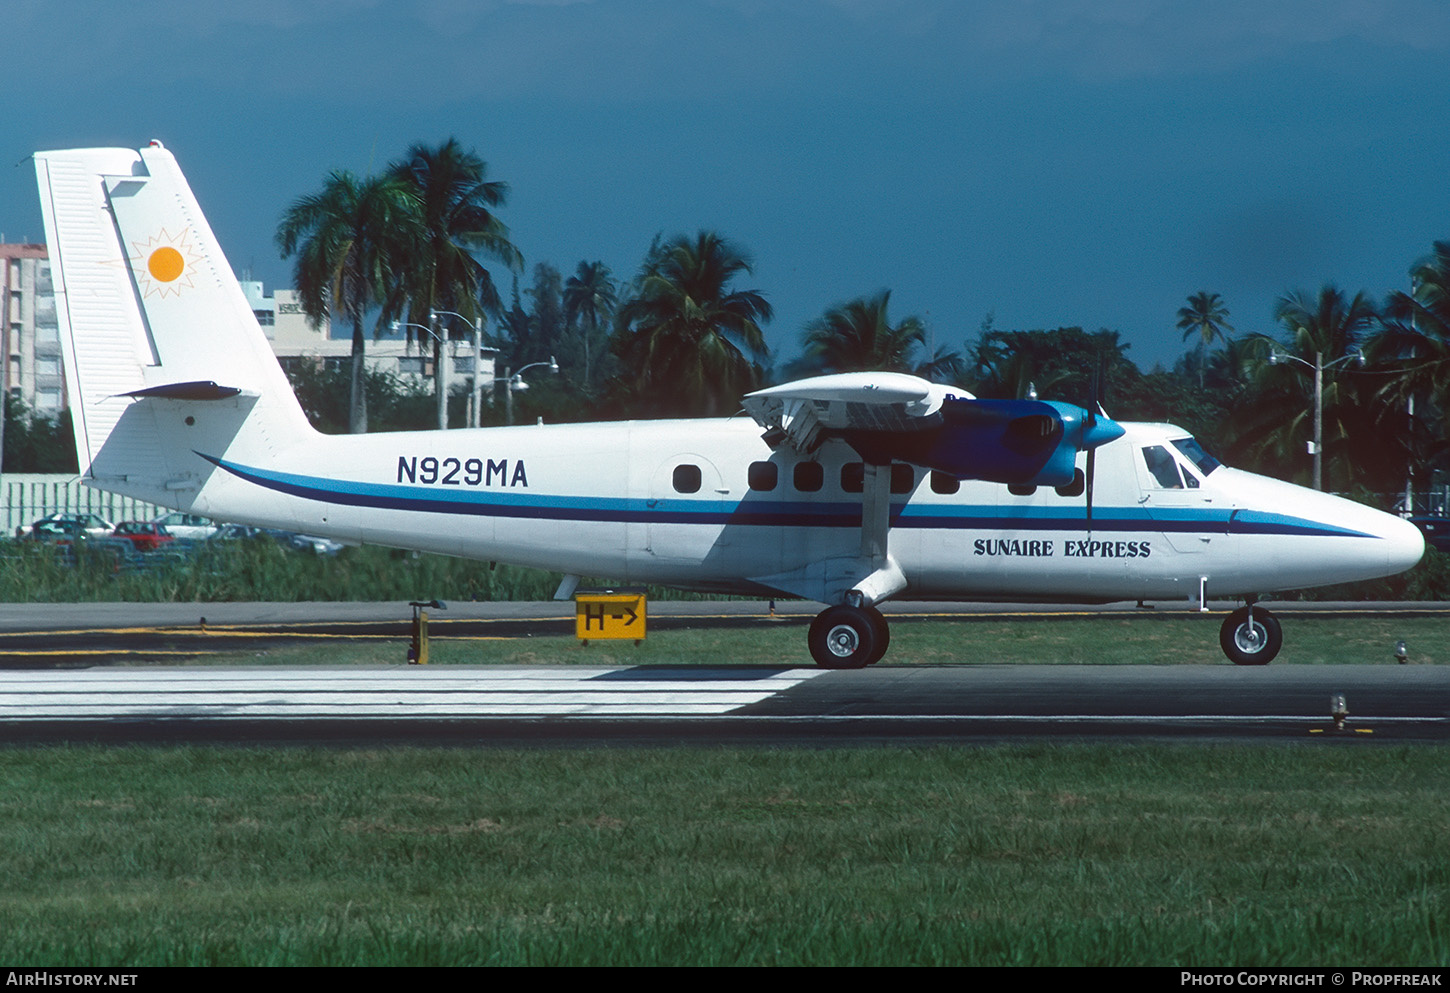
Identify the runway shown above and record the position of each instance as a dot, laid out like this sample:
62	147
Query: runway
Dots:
727	705
58	683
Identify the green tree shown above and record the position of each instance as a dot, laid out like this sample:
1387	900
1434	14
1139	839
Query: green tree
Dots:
590	298
1277	419
457	224
1208	317
351	240
858	336
1411	347
690	345
1062	364
37	442
393	403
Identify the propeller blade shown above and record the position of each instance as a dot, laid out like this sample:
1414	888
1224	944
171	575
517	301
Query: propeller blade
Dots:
1092	463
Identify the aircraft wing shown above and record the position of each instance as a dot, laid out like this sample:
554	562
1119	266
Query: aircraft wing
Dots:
889	417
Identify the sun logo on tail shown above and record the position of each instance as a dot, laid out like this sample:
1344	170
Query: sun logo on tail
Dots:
163	264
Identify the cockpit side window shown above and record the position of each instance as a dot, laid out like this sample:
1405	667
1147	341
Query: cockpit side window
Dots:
1195	454
1163	467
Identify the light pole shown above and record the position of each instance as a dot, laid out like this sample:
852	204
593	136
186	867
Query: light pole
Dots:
440	371
516	382
1318	365
473	412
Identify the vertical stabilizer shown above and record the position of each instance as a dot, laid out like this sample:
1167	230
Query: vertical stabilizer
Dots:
148	308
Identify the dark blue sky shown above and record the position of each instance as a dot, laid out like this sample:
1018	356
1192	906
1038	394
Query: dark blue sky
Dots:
1050	162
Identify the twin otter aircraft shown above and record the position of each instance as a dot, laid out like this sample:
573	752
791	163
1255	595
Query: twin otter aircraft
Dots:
847	489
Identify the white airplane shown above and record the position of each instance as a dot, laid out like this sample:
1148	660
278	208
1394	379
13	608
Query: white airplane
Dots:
847	489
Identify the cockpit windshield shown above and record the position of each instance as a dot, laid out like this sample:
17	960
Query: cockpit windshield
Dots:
1195	454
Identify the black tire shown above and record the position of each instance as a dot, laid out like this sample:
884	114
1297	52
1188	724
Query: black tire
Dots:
1255	644
846	638
883	635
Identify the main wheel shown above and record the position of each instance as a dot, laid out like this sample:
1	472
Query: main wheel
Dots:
847	637
883	635
1253	642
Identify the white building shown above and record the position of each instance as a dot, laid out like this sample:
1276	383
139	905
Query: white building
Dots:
294	339
33	371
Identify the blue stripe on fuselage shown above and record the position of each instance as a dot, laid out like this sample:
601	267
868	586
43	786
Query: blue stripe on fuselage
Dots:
766	513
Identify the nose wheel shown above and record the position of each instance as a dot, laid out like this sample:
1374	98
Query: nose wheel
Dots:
1251	636
846	637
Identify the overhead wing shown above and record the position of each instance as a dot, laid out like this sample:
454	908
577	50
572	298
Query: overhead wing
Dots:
889	417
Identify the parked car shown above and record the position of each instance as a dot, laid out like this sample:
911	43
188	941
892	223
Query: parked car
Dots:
287	539
67	527
1436	530
189	527
144	536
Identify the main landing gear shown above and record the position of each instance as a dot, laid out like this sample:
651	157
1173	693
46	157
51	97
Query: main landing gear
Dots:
1251	636
845	637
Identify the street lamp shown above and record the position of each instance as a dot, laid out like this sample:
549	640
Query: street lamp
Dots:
474	409
516	384
1318	365
440	373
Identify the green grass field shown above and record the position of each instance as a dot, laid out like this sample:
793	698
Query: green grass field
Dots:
1180	638
1143	854
1050	855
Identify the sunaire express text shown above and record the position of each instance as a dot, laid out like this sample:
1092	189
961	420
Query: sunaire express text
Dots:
1072	548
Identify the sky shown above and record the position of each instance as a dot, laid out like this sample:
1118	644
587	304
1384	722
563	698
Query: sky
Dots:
1038	163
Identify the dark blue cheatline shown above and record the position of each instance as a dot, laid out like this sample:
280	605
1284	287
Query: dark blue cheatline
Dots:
768	513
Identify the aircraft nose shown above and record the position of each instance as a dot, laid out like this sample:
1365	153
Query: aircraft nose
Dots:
1404	543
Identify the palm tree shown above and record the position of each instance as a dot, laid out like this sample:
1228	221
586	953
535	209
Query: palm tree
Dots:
1207	315
1323	330
350	240
455	204
1412	345
858	336
692	345
590	297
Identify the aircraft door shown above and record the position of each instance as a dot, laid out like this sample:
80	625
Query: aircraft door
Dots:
684	508
1175	497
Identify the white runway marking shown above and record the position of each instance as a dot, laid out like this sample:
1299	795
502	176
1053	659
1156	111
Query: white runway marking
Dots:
259	693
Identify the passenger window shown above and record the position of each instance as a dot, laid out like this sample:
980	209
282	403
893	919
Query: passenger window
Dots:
809	476
763	475
853	477
1021	489
687	478
903	478
944	484
1163	467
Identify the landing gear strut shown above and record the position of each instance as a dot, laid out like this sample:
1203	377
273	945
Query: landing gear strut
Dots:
847	637
1251	636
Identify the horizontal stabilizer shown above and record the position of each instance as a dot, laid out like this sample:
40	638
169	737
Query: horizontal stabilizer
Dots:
206	390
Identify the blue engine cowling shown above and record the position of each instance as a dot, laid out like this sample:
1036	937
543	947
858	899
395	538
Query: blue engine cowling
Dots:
1028	442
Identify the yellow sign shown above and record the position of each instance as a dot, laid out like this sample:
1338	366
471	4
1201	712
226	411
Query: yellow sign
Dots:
609	614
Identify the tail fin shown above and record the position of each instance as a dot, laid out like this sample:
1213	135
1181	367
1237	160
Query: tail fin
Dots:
153	322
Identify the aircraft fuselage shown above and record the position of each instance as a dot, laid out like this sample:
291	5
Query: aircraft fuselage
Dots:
706	504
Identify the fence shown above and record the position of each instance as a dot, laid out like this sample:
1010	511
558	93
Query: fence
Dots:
29	496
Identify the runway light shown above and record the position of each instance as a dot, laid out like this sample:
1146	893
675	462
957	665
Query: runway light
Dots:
1338	710
1402	652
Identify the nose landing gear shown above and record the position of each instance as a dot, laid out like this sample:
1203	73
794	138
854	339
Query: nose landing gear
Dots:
1251	636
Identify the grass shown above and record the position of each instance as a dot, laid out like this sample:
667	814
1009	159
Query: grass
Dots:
1088	855
1180	638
